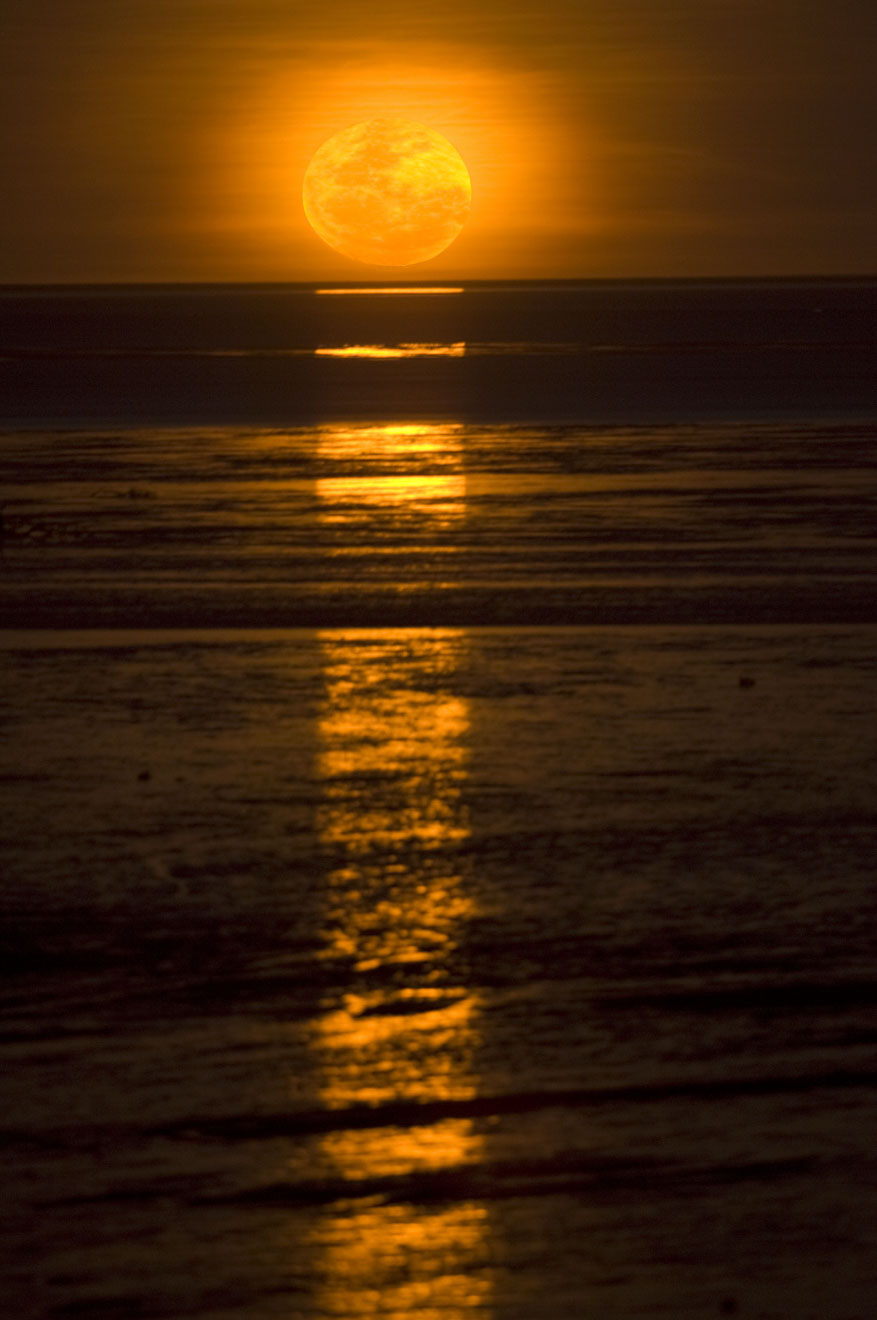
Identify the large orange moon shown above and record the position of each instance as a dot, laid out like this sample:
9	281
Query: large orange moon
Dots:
388	192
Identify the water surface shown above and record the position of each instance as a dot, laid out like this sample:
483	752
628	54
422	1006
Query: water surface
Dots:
439	783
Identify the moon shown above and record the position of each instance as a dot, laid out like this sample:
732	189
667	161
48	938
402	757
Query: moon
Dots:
388	192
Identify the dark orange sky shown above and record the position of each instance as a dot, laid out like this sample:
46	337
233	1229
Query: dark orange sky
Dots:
167	139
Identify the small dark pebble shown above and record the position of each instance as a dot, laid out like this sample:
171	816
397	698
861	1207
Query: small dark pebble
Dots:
728	1306
746	682
143	776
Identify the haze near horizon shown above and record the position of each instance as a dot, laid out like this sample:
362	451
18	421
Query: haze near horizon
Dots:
167	141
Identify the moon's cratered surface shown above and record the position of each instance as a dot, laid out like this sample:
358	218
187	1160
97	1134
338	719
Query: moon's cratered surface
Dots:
388	192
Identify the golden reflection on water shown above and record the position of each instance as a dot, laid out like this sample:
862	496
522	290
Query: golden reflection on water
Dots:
406	444
392	824
390	484
393	756
395	290
393	350
440	497
392	765
400	1264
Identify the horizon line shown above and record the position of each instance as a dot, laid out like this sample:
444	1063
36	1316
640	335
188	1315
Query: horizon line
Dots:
438	286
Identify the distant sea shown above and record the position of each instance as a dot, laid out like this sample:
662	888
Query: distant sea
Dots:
438	784
591	353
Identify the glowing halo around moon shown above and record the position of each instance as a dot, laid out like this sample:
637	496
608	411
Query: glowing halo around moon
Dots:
388	192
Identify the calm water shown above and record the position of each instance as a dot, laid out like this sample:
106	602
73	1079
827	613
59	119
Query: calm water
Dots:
439	780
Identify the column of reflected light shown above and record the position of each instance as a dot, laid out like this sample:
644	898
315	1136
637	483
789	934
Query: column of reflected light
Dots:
393	350
393	764
392	504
